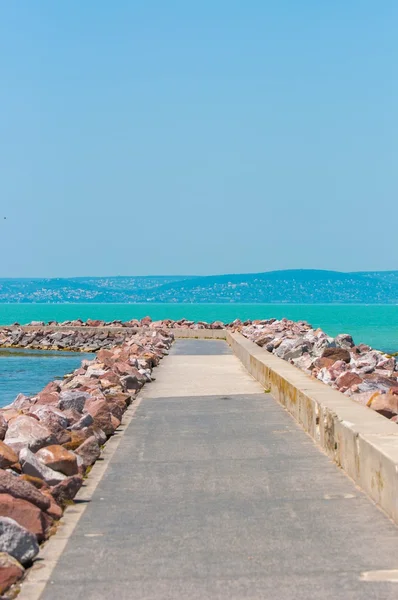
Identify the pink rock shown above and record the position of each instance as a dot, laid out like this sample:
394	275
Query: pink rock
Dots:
146	321
337	369
24	431
122	368
47	398
106	357
89	451
58	458
25	514
101	414
11	571
362	397
53	386
9	413
18	488
385	404
347	379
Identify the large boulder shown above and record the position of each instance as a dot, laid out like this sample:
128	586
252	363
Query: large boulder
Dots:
132	382
337	354
85	421
22	402
305	362
3	427
101	414
17	541
106	357
52	386
348	379
109	380
18	488
25	431
385	404
11	571
59	459
66	490
344	340
117	404
298	350
283	348
47	398
78	436
25	514
89	451
70	399
387	364
7	456
32	465
55	420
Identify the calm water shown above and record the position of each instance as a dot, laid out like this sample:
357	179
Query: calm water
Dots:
376	325
28	371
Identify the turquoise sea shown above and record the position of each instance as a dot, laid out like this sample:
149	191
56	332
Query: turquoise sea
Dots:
376	325
28	371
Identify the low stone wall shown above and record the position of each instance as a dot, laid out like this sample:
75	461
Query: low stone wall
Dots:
359	440
87	339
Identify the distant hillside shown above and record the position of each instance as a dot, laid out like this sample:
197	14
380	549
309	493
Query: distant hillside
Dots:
294	286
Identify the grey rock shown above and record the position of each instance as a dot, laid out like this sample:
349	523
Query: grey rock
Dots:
284	348
85	421
344	340
299	348
17	541
73	399
146	373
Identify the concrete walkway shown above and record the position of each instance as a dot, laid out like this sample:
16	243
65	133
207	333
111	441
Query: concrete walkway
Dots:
215	493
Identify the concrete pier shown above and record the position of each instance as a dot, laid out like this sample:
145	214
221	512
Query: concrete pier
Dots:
214	492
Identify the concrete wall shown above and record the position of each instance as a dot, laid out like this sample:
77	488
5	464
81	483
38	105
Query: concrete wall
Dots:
362	442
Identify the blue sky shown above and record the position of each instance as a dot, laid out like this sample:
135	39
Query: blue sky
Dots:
153	137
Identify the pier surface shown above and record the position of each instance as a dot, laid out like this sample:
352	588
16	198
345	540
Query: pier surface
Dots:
215	493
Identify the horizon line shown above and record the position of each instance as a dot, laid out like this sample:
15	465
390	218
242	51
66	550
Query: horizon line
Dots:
191	276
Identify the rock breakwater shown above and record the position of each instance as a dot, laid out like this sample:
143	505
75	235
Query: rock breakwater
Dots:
49	442
367	376
76	339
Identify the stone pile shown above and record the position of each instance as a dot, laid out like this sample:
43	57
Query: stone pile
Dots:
66	339
368	376
49	442
133	323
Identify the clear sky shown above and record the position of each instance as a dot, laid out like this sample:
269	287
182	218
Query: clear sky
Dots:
197	136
